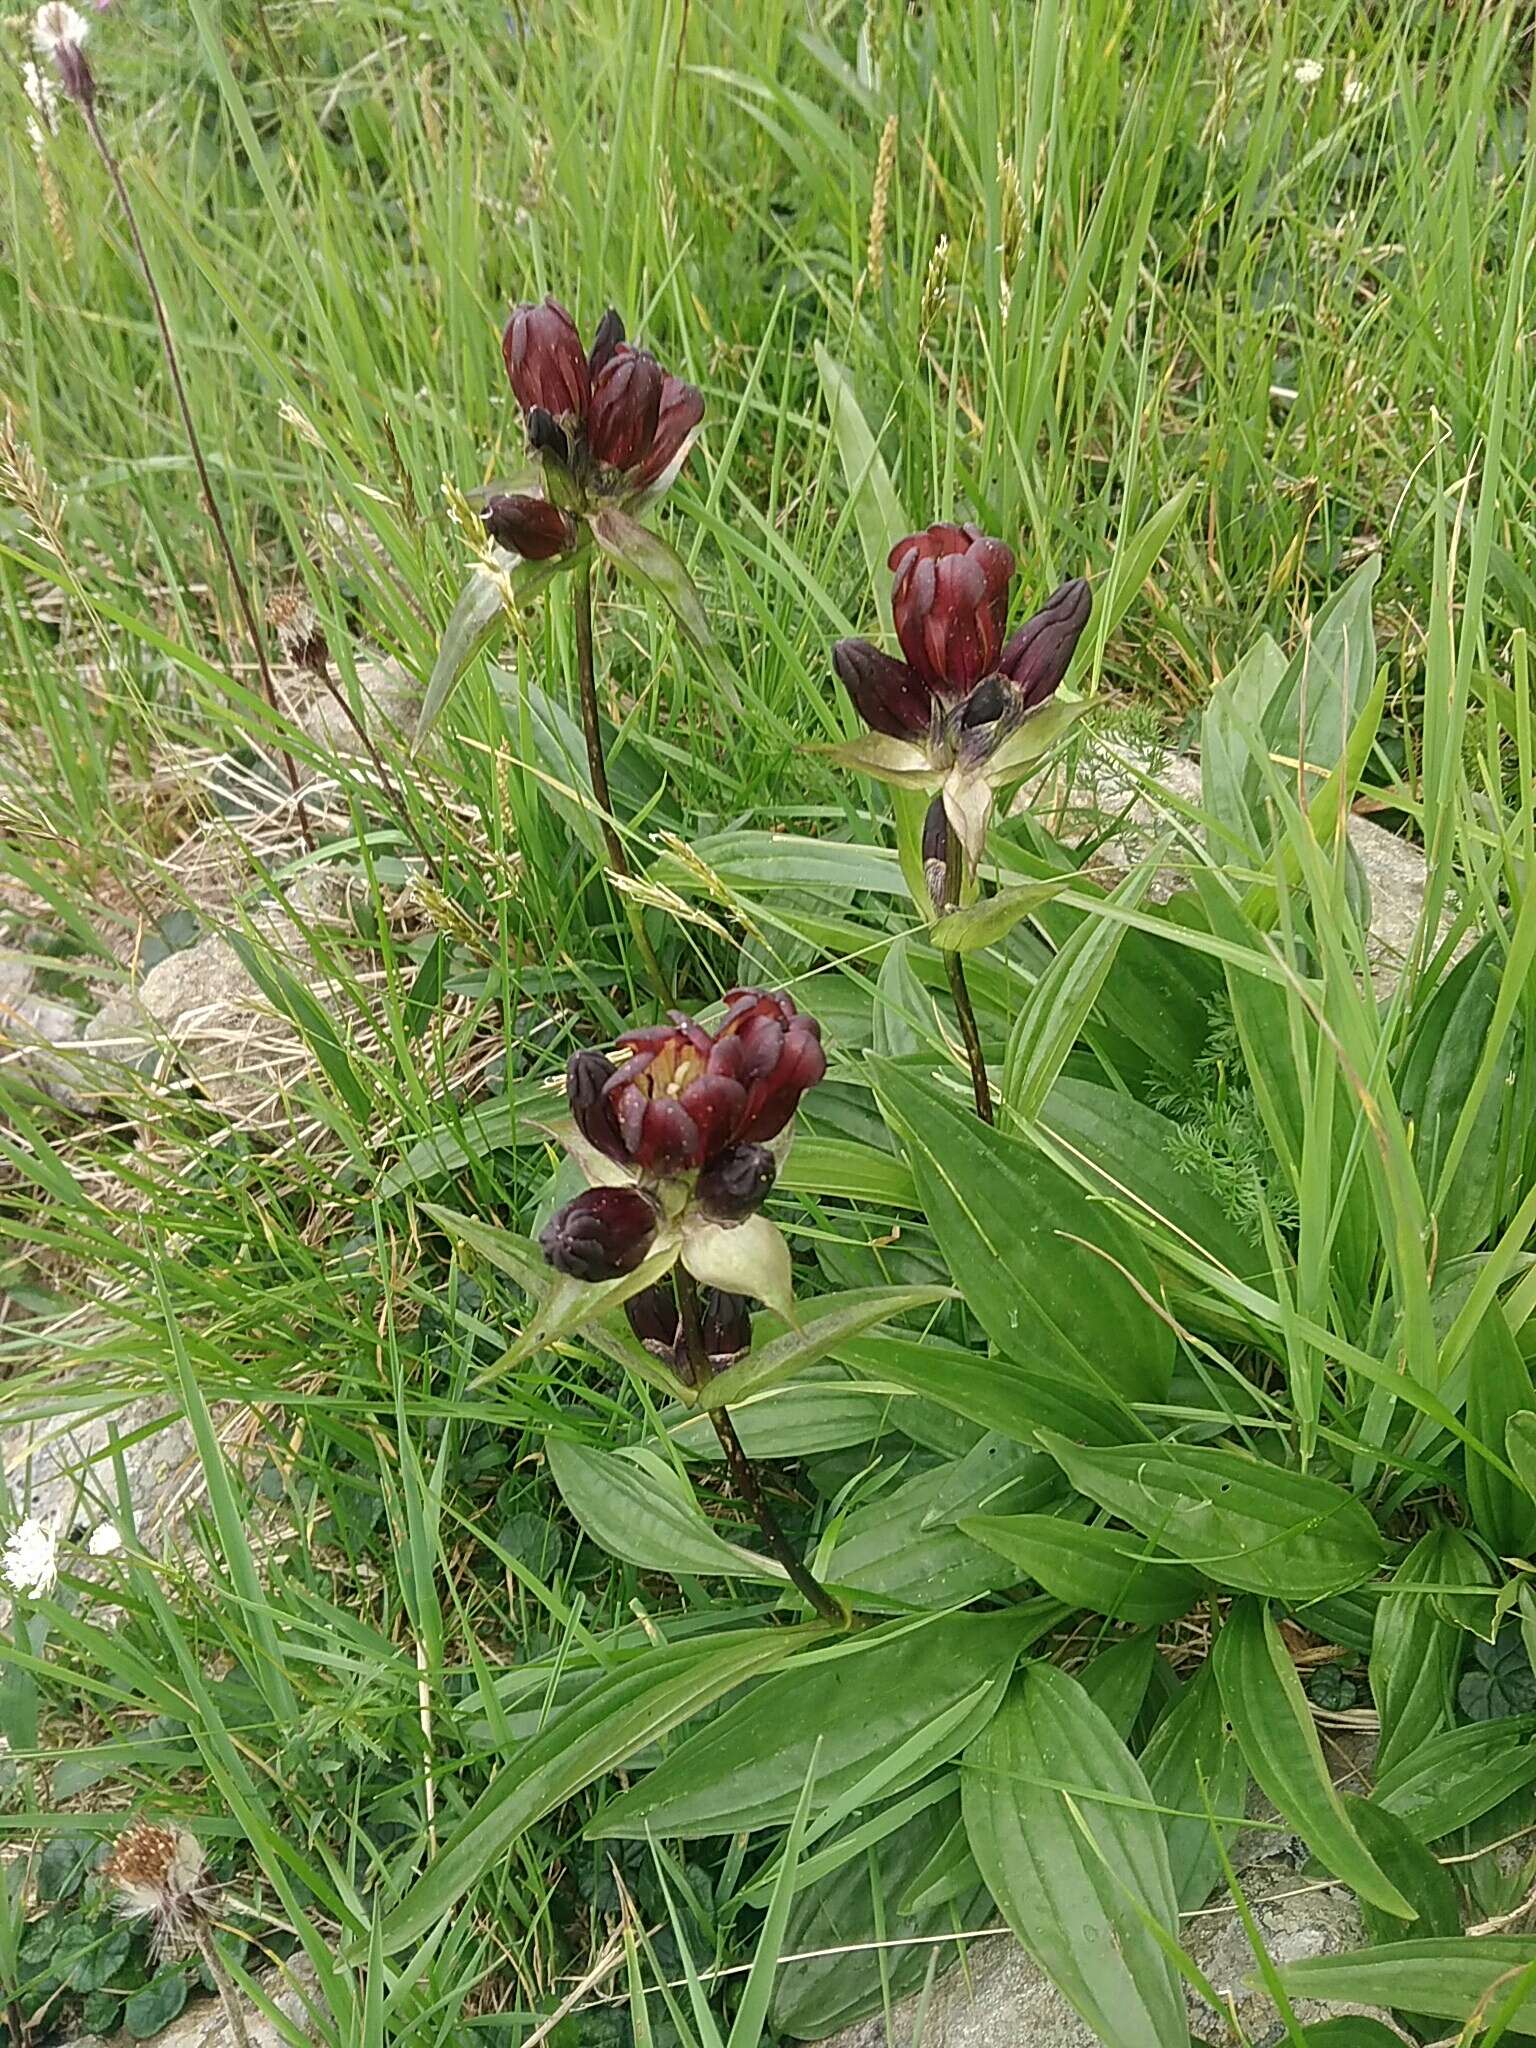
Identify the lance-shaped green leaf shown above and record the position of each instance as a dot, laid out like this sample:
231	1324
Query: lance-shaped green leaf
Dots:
633	1505
1459	1775
620	1715
1255	1527
1056	1279
655	562
1415	1652
1060	1821
1448	1979
1269	1714
823	1326
1105	1570
861	1702
994	917
877	511
477	622
1194	1765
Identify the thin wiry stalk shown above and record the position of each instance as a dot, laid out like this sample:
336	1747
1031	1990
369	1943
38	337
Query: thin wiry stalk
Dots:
229	1997
743	1472
205	482
597	768
954	967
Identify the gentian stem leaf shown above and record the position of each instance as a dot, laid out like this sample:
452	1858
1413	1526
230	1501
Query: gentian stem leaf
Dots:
653	561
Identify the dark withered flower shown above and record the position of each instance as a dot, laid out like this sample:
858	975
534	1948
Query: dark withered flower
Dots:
601	1235
528	526
160	1874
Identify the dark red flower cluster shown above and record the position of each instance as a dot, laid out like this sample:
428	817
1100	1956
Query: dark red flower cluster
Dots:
611	416
687	1096
950	604
686	1102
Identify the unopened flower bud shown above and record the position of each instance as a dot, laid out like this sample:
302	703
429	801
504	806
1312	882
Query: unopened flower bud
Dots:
530	527
1040	653
546	364
610	333
737	1184
889	696
727	1324
626	405
602	1235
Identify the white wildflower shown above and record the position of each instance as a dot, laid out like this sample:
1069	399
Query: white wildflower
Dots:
1307	71
104	1541
58	24
1354	91
29	1563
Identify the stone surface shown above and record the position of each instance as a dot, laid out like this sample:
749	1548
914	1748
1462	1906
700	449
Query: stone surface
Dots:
1004	2001
203	2023
388	701
39	1037
1104	795
201	1015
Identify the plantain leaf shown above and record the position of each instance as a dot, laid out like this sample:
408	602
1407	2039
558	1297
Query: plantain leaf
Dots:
1104	1570
1255	1527
1498	1389
1269	1713
870	1694
1415	1652
1055	1278
1058	1815
633	1505
1449	1979
1459	1775
995	1392
1194	1765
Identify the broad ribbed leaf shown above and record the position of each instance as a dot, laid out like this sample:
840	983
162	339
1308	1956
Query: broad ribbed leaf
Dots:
995	1392
476	623
619	1715
1415	1652
1055	1278
865	1698
1269	1713
1058	1817
1194	1765
1254	1527
1459	1775
1498	1389
1105	1570
633	1504
1448	1979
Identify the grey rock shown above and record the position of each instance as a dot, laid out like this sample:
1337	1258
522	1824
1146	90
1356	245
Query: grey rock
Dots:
203	2024
1103	795
1002	2000
40	1038
386	704
199	1014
